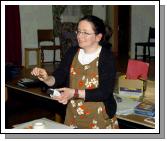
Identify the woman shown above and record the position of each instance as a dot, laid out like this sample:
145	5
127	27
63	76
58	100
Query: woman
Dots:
87	73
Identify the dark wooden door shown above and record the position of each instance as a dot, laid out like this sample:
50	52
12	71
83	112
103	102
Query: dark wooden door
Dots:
124	31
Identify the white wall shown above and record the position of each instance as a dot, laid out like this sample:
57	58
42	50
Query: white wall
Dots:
34	17
100	11
142	17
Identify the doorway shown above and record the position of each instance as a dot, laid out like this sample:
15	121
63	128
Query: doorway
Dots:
119	17
124	23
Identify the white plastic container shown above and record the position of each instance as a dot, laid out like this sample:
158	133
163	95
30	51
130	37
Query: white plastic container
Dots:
39	125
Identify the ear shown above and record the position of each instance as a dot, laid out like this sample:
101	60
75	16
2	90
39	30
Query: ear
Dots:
98	37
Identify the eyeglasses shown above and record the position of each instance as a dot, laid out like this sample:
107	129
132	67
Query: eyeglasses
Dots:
85	34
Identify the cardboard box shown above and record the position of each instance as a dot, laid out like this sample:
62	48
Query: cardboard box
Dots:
130	88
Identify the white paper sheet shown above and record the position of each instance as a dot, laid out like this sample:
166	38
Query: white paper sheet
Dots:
126	106
49	124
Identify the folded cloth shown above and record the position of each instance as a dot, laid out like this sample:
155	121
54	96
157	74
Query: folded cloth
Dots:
137	69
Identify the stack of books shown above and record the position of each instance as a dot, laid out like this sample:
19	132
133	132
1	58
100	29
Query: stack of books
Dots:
145	109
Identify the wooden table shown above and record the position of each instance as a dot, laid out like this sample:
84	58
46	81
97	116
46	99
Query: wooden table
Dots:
34	94
34	91
136	119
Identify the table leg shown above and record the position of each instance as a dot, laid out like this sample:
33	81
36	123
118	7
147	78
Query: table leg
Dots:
144	53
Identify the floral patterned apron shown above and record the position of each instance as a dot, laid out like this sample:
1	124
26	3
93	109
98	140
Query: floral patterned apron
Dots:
81	114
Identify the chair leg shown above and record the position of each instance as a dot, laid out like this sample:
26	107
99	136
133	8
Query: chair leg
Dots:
135	51
26	55
144	53
38	58
54	52
149	53
27	51
42	56
61	55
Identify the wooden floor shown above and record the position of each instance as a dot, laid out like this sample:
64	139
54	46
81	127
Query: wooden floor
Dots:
21	108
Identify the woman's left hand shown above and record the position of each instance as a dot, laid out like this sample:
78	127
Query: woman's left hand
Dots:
66	94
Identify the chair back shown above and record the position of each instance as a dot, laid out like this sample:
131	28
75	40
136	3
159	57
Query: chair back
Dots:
45	35
151	37
146	45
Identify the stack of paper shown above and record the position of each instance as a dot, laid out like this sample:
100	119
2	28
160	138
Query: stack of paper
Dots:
126	106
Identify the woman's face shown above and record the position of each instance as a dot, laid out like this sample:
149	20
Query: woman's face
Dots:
86	35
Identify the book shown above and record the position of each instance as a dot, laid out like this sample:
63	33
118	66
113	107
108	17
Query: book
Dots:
150	120
145	109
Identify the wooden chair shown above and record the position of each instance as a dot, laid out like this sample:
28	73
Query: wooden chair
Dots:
147	45
27	52
47	35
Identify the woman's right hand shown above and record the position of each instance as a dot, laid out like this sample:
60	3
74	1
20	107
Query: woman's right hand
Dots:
40	73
